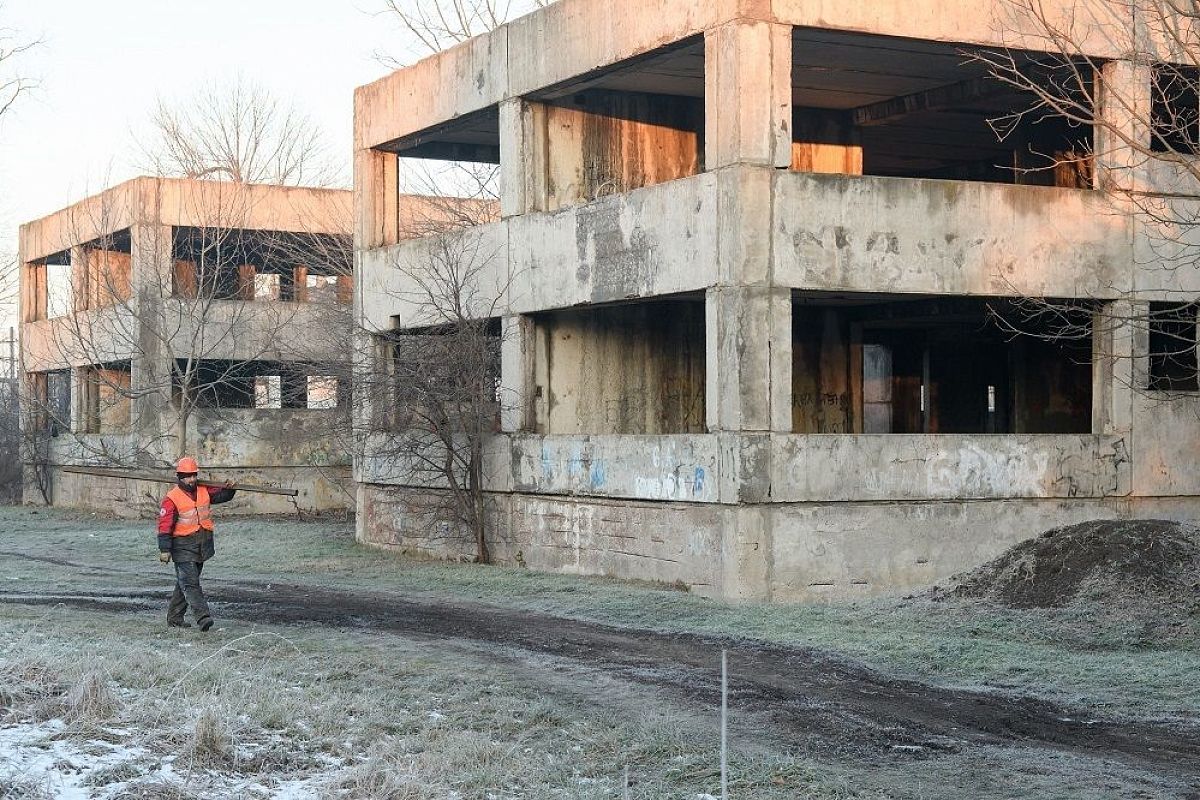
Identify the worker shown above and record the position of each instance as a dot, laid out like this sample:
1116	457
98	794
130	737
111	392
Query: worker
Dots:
185	536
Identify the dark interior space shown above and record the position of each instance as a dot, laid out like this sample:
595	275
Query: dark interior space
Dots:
935	365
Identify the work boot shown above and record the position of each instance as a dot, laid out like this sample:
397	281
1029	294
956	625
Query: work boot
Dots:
205	624
178	623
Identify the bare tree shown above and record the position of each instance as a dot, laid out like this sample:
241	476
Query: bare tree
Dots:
12	84
1140	139
240	133
430	390
434	25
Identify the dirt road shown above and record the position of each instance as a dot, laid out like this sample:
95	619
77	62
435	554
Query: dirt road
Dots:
812	699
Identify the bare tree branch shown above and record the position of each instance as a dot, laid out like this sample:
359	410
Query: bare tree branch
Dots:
239	133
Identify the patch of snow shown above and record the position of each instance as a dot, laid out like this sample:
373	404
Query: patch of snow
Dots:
31	752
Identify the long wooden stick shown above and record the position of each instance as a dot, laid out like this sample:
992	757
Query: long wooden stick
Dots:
145	476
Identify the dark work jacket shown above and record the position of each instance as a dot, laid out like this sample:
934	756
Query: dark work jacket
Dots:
198	547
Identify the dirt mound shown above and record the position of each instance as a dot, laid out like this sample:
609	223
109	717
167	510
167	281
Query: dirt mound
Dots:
1141	573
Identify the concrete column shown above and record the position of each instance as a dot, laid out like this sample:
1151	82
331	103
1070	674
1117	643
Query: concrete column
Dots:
524	154
516	374
747	556
151	280
1120	346
749	361
748	95
1124	97
372	370
376	199
80	282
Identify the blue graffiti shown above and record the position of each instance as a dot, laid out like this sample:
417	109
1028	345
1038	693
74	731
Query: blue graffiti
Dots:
598	476
698	481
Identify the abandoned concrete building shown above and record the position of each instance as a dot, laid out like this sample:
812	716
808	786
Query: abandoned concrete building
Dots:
166	315
752	266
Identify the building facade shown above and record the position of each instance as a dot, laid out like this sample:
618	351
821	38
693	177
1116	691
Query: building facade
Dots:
170	316
771	292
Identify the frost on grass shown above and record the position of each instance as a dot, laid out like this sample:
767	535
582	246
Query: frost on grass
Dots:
212	743
91	699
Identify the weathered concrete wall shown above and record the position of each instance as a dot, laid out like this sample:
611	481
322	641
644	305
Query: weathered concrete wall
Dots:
177	201
902	235
86	337
899	467
290	447
1164	447
635	369
266	331
663	468
799	552
614	248
841	550
325	489
614	142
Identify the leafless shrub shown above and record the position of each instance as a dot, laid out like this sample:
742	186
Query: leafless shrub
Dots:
212	742
90	699
26	685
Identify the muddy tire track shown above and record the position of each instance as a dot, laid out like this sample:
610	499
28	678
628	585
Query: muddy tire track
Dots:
814	698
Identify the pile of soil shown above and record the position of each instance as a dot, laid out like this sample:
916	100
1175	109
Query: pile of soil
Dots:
1142	572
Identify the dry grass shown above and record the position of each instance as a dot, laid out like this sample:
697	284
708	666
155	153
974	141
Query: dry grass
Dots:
90	699
17	787
379	716
359	716
211	744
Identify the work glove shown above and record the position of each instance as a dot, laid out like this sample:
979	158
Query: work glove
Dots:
164	557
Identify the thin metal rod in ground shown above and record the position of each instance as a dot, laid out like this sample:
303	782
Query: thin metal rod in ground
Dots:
724	723
625	791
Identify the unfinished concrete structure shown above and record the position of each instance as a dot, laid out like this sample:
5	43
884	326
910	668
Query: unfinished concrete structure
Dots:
164	316
750	259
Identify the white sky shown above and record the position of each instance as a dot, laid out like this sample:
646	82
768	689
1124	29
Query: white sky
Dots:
103	64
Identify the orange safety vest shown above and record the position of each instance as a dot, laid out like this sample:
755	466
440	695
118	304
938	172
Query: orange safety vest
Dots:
193	514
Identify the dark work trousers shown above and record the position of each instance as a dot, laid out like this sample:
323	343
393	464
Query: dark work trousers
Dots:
188	593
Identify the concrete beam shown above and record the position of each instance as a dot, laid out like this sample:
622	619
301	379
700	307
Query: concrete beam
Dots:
937	99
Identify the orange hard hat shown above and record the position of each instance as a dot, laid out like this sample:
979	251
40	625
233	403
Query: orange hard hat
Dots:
187	465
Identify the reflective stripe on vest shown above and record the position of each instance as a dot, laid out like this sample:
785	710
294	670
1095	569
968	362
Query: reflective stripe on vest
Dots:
193	514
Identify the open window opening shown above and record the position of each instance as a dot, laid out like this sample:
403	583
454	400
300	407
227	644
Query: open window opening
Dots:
234	264
880	105
637	123
105	399
871	364
631	368
444	178
1173	361
264	385
51	392
1175	109
48	290
444	378
104	277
